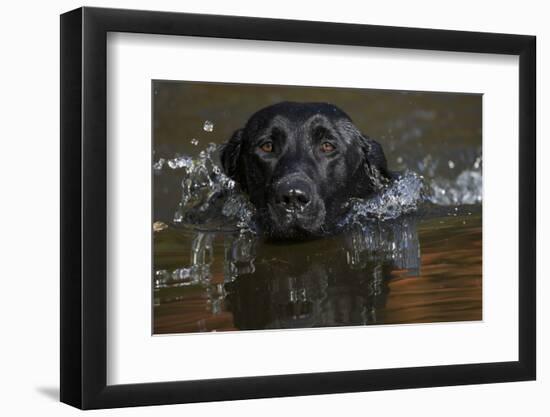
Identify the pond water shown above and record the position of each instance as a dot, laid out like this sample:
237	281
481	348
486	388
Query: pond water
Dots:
406	271
413	254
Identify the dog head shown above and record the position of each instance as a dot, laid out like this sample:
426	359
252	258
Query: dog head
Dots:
300	163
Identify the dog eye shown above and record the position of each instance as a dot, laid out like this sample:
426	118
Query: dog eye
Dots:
267	147
327	147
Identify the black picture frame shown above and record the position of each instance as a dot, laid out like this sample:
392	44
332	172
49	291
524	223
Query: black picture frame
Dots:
84	207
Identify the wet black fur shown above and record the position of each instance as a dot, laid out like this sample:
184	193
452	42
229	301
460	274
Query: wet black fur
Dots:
356	168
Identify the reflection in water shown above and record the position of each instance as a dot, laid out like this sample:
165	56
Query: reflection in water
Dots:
327	282
336	285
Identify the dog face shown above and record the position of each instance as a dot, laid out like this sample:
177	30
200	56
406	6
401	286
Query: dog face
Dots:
300	163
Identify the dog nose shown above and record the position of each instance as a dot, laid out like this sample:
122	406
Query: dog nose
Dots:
293	197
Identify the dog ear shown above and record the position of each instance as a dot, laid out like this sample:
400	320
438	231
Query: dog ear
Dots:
375	161
229	156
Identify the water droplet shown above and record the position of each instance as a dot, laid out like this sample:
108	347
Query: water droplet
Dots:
211	148
194	141
208	126
477	162
399	160
157	166
159	226
451	164
180	162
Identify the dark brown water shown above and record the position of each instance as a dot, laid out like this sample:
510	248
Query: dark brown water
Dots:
424	266
432	275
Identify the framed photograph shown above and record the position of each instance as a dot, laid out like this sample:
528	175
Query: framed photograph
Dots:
258	208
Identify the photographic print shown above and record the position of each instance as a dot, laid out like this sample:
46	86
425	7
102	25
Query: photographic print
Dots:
284	207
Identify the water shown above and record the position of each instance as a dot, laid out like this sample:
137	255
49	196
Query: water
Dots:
406	271
412	254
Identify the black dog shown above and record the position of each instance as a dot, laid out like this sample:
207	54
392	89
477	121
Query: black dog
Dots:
300	163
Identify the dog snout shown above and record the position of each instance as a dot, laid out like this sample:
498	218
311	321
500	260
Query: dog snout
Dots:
293	195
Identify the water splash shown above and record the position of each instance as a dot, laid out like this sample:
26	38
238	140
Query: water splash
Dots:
466	188
401	197
454	177
210	198
212	201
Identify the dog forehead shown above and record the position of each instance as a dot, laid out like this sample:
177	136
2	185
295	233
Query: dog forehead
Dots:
293	113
